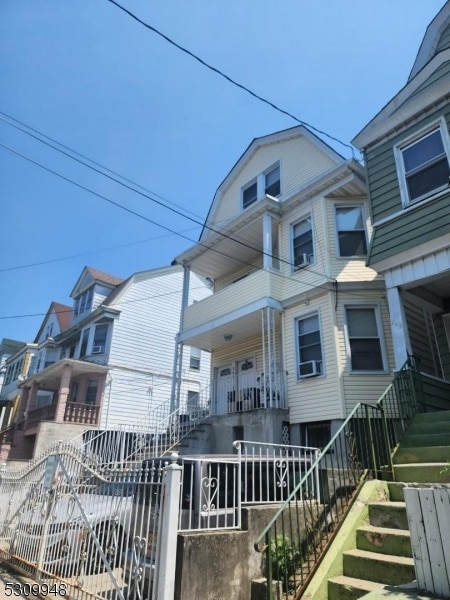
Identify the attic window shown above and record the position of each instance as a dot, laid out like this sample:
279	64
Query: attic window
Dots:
272	182
249	195
84	302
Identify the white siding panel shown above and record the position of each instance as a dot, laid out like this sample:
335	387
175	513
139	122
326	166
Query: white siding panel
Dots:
317	398
143	347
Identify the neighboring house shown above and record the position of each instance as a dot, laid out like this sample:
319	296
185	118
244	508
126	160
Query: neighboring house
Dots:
297	325
111	361
407	153
9	373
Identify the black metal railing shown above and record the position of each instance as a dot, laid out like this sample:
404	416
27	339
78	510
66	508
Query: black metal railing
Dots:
296	538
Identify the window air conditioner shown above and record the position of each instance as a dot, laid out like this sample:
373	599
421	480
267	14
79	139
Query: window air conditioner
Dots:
303	261
312	368
98	349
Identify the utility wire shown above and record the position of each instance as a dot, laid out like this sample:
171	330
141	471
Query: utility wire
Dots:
179	213
63	258
72	151
118	205
230	79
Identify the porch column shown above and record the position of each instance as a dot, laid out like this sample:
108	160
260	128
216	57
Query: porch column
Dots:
63	393
399	327
267	242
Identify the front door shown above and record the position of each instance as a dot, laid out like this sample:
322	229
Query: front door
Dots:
225	390
248	396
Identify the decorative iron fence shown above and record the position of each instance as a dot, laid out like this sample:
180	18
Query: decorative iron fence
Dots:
296	538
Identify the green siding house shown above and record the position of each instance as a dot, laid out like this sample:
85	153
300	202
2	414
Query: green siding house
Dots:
407	154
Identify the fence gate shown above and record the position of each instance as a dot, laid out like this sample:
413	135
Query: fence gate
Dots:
80	529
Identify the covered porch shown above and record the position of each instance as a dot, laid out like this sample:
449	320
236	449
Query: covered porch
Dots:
68	391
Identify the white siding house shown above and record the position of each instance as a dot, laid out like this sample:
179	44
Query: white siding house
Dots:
297	323
109	361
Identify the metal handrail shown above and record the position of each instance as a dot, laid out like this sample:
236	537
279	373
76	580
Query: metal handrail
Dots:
296	537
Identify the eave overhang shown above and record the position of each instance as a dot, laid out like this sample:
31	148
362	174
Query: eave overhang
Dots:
54	371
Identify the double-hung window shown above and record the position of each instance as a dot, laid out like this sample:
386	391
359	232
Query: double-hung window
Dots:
364	338
272	181
351	232
91	392
84	343
267	183
249	194
309	344
100	335
302	243
423	164
194	359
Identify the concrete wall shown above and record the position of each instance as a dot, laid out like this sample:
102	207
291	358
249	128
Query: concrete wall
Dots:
220	565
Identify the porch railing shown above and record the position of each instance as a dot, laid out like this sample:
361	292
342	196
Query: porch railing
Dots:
248	391
296	538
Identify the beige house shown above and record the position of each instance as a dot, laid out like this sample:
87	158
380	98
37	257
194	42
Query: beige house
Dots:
298	325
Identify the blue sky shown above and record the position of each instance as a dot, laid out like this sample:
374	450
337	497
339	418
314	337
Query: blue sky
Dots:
87	75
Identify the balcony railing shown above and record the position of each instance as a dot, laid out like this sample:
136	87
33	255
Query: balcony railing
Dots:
75	413
262	284
81	413
248	391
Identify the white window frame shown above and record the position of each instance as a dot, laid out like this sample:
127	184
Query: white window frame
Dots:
380	330
440	125
266	173
360	205
260	182
302	317
295	268
246	187
195	358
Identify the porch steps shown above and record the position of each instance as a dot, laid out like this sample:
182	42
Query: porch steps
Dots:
382	555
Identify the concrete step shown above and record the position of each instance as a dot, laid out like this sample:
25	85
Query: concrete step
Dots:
388	514
436	416
381	568
384	540
350	588
427	453
395	489
432	438
422	473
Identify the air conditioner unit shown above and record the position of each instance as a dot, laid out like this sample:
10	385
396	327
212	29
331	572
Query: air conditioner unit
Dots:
98	349
303	261
311	368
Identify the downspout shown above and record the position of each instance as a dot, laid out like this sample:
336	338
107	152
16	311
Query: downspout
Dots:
178	354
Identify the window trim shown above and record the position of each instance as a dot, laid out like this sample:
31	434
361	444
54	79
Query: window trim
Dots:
360	205
245	187
301	317
296	269
260	181
380	330
269	170
440	125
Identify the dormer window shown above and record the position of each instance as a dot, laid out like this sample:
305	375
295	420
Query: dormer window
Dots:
265	184
84	302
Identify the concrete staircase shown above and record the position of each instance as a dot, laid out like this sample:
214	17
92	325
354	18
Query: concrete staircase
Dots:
383	555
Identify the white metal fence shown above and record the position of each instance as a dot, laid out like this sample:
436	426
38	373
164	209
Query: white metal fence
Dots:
95	530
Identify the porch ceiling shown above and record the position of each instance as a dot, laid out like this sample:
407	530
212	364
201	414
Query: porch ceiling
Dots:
54	372
239	329
240	244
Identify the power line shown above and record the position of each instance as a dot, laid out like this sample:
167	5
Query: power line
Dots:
63	258
230	79
234	258
76	153
179	213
